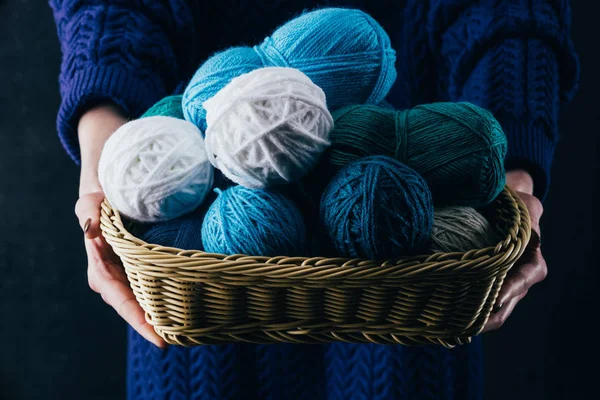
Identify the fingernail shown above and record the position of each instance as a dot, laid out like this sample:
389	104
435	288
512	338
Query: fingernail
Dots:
86	226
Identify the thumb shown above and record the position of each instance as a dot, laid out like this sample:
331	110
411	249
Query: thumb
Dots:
87	210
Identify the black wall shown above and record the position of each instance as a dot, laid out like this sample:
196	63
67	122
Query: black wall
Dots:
59	341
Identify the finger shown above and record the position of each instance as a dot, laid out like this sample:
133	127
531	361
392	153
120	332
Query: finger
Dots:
106	252
120	296
93	257
87	210
535	241
497	319
104	264
536	210
520	279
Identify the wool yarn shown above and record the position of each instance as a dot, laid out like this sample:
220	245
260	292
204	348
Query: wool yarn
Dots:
377	208
460	229
155	169
267	127
459	148
343	51
184	232
169	106
253	222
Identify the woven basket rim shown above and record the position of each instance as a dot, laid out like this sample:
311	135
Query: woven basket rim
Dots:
127	245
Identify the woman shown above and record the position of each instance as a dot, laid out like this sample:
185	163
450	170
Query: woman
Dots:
514	58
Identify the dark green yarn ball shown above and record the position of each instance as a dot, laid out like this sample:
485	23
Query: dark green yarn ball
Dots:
168	107
459	148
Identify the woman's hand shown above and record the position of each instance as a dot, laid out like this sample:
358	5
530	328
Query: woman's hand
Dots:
106	275
531	267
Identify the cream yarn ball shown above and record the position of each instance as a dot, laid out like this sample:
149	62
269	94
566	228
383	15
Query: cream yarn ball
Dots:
267	127
155	169
460	229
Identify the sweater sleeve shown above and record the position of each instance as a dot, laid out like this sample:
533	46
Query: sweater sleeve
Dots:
118	50
515	58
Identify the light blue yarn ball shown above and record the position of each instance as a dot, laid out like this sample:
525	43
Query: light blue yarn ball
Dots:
344	51
253	222
213	76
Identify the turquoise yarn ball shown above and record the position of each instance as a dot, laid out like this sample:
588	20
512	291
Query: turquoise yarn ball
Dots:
377	208
169	106
253	222
344	51
213	76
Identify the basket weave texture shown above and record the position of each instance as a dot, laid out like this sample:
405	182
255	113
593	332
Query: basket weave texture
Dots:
195	298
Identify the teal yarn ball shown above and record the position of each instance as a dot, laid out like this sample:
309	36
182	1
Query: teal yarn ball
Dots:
459	148
170	106
343	51
254	222
377	208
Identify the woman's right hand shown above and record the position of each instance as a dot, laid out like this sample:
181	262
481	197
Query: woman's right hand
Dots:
106	275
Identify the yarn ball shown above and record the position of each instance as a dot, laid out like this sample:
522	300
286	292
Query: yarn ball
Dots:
459	148
377	208
254	222
155	169
267	127
460	229
170	106
343	51
184	232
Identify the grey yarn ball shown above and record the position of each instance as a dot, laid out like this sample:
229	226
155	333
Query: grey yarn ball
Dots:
460	229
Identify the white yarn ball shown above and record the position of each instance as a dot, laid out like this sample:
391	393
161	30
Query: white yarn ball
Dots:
460	229
267	127
156	168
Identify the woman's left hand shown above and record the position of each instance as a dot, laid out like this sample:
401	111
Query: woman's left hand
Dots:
531	267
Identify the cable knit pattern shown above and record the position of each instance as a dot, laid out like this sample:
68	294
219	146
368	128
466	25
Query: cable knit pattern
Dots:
514	57
204	378
157	374
349	372
288	372
120	51
356	371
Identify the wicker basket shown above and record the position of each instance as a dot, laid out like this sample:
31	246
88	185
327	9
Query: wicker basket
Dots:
194	298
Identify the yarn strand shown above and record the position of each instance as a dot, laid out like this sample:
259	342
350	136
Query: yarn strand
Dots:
459	148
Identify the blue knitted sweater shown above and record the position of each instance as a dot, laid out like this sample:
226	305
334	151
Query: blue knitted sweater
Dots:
514	57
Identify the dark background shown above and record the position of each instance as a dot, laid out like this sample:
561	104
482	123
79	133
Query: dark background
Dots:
59	341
